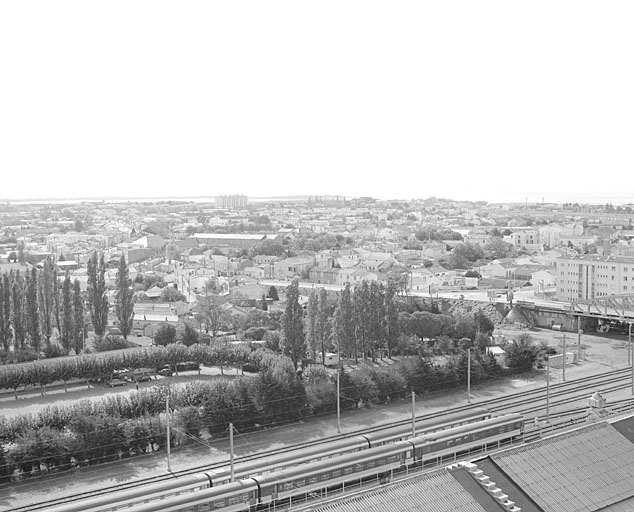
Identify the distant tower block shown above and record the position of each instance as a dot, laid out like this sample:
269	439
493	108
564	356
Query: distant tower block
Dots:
232	201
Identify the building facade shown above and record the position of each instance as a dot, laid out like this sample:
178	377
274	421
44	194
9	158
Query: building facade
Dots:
232	201
588	276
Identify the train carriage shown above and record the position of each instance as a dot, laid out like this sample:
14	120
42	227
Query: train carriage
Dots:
123	499
462	441
289	459
402	432
354	467
240	495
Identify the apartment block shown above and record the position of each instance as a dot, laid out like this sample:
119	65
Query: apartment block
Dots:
588	276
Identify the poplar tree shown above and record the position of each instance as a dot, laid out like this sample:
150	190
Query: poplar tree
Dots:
32	312
46	288
5	312
67	315
17	310
294	342
391	319
124	299
344	325
361	301
311	323
97	299
78	318
323	325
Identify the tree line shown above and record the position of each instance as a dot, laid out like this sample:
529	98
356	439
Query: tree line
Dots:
122	426
369	321
38	306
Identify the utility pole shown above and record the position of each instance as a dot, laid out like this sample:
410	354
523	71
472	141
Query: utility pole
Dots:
629	339
548	390
231	449
338	404
578	338
563	376
468	375
167	415
413	414
563	338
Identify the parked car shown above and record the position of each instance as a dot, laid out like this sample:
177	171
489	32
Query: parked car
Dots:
187	366
166	371
112	383
141	375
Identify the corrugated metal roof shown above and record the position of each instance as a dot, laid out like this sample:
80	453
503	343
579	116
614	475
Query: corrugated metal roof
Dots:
583	470
504	482
436	492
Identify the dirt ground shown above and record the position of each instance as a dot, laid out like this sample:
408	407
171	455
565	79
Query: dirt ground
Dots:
600	353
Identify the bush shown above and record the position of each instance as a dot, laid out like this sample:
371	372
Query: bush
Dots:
111	342
255	333
53	350
166	335
27	354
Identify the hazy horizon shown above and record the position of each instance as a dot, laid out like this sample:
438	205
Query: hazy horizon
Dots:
491	101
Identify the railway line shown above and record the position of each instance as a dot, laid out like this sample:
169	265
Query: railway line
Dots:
570	395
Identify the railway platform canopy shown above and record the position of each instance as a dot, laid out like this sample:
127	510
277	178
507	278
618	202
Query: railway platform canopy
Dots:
589	468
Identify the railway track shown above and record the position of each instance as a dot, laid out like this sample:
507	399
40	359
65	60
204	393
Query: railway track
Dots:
527	403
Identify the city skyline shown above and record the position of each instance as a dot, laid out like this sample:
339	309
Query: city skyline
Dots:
487	102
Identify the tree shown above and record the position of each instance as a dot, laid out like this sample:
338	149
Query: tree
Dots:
323	326
273	293
294	342
13	257
497	248
6	333
521	353
311	323
17	310
391	320
188	336
211	313
46	289
97	299
32	313
21	253
344	323
171	294
124	299
166	335
78	318
67	315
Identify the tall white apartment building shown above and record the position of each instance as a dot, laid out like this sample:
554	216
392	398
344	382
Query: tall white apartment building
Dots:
588	276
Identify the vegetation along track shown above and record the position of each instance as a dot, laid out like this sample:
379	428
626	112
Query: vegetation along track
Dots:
525	402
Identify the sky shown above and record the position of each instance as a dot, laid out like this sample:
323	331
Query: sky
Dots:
468	100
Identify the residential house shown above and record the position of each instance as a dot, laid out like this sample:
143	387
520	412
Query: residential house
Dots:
354	276
324	275
290	267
